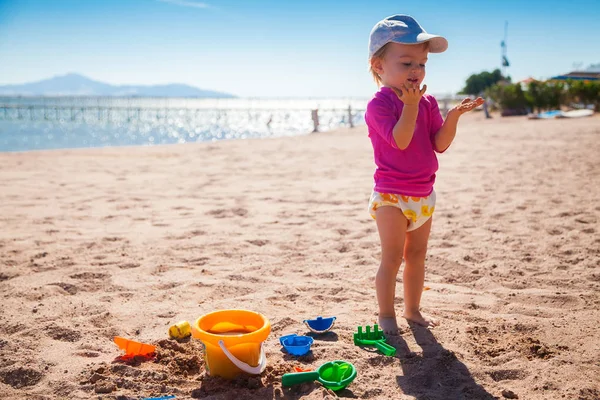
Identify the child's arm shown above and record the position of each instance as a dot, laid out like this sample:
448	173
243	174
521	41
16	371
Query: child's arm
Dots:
405	127
445	136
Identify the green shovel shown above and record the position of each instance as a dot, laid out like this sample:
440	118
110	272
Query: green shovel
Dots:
334	375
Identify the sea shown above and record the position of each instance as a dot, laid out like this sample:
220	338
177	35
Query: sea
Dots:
43	123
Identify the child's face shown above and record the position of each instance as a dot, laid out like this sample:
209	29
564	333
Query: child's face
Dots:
402	64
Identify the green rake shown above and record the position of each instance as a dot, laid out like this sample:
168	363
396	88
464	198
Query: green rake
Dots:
373	338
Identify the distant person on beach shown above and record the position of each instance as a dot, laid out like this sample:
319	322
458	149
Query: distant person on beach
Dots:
406	129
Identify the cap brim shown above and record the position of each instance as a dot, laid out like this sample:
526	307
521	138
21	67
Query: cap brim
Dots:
437	44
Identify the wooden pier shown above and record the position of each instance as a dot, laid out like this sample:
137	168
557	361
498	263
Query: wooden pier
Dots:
64	113
109	114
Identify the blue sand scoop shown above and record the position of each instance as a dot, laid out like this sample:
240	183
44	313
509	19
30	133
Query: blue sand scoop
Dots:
320	324
296	345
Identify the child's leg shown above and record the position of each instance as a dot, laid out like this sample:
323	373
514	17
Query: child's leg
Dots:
391	224
415	249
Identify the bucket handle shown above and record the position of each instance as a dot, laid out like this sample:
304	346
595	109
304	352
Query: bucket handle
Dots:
262	360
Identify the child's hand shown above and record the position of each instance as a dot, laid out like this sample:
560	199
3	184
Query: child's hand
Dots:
466	105
410	95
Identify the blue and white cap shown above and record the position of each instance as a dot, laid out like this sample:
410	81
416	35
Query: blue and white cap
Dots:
403	29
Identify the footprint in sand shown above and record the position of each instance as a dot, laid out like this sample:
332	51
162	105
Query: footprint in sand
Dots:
161	269
6	276
10	262
63	334
12	329
372	393
86	354
39	255
507	374
282	324
167	286
65	262
168	314
258	242
103	263
344	248
249	279
228	213
229	291
594	277
67	287
179	208
114	239
129	265
287	297
101	320
21	377
197	261
89	275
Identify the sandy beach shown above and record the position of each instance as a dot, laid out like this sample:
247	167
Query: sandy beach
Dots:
127	241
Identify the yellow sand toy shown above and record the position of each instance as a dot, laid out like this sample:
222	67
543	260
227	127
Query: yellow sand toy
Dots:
233	341
180	330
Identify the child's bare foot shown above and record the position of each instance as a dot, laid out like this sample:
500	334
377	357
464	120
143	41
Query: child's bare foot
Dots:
421	319
389	326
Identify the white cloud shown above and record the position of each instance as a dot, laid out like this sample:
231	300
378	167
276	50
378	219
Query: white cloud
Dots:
186	3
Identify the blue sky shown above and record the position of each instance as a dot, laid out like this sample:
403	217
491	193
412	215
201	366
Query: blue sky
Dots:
283	48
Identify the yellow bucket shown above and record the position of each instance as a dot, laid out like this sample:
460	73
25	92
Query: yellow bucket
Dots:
232	341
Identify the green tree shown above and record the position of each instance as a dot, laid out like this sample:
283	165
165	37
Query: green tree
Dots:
478	83
546	95
595	94
555	94
535	95
510	98
584	92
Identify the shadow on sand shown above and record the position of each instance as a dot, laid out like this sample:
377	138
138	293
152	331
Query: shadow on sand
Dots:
437	373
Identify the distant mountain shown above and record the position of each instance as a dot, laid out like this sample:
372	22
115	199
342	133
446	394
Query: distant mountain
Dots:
78	85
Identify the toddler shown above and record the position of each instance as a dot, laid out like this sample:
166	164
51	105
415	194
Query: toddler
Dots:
406	129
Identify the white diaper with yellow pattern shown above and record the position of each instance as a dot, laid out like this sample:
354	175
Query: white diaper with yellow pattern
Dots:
416	209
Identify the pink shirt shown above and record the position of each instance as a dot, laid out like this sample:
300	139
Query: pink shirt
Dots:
409	172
